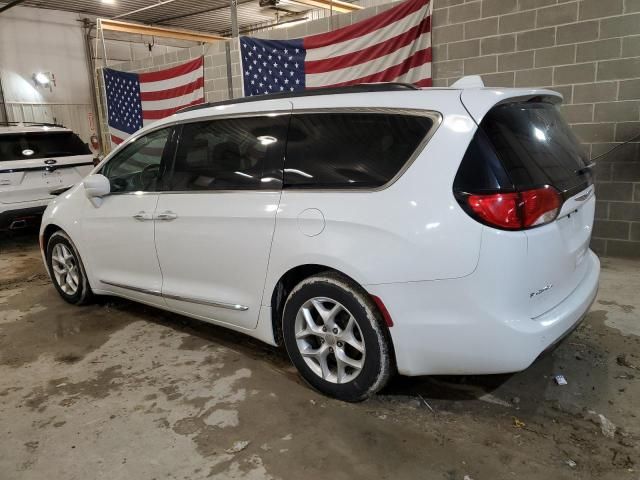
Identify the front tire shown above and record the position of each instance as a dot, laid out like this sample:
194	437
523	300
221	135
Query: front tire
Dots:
67	271
336	338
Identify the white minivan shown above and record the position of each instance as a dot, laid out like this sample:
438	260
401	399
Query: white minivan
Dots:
370	229
37	159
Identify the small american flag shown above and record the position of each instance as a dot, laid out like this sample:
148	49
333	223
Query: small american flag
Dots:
393	46
137	99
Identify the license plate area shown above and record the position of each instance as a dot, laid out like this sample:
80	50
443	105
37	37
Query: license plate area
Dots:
53	178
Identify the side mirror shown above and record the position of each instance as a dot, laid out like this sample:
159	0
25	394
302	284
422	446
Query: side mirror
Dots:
96	186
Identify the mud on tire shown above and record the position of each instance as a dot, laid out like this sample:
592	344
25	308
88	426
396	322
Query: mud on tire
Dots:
346	360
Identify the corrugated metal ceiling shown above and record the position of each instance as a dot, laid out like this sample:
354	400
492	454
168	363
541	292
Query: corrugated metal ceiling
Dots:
202	15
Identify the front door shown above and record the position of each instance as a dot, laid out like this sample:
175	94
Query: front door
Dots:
120	232
214	229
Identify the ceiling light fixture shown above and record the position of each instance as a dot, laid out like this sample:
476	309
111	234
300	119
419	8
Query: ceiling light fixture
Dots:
267	139
41	78
44	80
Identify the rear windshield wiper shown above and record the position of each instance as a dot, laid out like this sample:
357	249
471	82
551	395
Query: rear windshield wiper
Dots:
585	169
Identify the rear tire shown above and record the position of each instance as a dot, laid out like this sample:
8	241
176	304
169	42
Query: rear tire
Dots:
336	338
67	271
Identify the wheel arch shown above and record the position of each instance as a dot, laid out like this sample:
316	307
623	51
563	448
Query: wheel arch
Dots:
49	230
287	282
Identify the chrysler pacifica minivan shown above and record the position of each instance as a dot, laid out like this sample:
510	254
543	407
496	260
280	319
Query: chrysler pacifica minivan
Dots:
370	229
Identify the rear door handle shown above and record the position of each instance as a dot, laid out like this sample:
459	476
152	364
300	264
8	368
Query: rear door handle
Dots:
167	215
142	216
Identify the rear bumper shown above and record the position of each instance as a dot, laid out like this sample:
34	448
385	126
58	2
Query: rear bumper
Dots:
30	212
445	327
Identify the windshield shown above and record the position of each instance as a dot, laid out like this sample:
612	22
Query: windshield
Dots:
24	146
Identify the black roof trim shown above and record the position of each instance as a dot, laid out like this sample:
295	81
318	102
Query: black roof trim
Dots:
30	124
360	88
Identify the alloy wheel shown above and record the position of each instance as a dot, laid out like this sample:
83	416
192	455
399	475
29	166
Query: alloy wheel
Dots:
65	269
330	340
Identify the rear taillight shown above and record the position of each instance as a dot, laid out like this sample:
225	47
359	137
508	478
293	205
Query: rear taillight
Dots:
515	210
540	206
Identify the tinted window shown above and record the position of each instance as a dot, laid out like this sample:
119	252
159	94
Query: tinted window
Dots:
239	153
481	169
139	165
536	146
337	150
24	146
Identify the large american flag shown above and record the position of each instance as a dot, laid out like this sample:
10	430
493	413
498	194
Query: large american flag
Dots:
137	99
393	46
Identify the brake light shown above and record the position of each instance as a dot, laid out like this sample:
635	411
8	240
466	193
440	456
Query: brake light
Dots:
498	209
516	210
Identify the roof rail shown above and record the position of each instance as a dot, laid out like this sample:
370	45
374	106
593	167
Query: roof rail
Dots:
30	124
360	88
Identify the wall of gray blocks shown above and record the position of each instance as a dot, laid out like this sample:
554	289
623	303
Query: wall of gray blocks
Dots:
588	50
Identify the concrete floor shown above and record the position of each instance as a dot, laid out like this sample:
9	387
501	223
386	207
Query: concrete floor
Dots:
117	390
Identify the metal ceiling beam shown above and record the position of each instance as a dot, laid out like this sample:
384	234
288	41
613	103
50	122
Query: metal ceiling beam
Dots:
192	14
10	5
128	27
143	9
335	5
274	25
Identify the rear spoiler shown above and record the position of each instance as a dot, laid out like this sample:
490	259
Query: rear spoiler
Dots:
478	101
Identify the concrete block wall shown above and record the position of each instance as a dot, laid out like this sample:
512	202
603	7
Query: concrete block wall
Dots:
588	50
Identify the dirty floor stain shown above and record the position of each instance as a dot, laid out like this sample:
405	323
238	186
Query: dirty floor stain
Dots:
117	390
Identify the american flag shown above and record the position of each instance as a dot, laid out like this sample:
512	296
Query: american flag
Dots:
137	99
393	46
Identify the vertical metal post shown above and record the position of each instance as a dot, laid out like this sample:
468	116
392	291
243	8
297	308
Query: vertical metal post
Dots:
4	114
330	15
91	69
100	33
235	33
234	19
227	50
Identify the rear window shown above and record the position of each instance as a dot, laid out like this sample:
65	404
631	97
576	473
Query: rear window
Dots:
350	150
536	146
24	146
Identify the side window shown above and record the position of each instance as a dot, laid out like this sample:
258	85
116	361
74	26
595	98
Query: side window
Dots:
139	166
350	150
238	153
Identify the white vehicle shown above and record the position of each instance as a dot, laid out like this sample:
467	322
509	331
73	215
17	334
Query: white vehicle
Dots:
35	160
369	229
